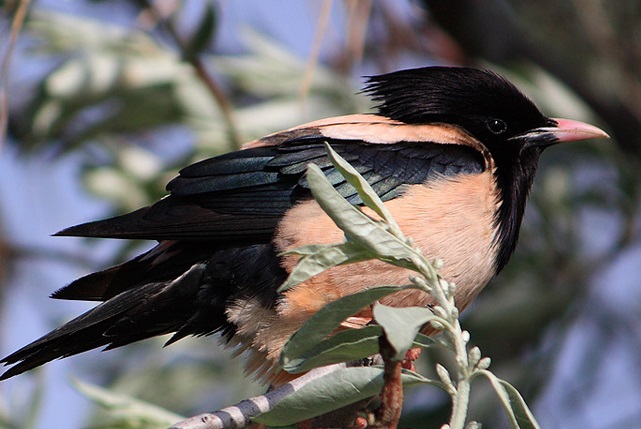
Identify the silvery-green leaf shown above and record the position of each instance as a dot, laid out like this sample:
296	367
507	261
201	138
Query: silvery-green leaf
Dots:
401	325
328	319
333	391
124	407
344	346
356	225
319	258
369	197
518	413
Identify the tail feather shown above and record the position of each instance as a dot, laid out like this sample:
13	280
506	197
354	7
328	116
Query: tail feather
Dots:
177	287
167	260
136	314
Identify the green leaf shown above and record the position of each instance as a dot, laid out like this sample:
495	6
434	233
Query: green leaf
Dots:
401	325
358	226
521	410
133	412
328	319
423	341
344	346
204	33
319	258
368	195
112	89
111	81
308	250
518	413
335	390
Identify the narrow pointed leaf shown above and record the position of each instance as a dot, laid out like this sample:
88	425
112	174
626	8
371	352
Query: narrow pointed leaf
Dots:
423	341
328	319
319	258
333	391
307	250
204	33
369	197
358	226
346	346
518	413
343	346
522	412
127	407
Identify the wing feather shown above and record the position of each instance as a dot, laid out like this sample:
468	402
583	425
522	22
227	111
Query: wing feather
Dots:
242	195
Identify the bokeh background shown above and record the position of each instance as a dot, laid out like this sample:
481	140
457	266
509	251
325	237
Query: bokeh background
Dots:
103	101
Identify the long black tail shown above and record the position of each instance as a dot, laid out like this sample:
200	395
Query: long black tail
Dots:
177	287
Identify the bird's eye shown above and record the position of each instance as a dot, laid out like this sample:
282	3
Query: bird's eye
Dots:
496	126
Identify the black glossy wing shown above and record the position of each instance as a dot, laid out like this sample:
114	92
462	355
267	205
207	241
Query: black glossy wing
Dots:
242	195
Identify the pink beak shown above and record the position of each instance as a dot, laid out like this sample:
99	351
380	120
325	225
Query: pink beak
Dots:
568	130
565	130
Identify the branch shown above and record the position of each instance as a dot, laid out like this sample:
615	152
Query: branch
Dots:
239	416
389	412
16	25
201	71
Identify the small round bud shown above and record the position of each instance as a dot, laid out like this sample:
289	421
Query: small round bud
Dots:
439	311
443	374
484	363
437	325
474	355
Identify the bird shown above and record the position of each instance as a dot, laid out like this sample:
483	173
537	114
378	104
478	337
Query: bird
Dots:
451	151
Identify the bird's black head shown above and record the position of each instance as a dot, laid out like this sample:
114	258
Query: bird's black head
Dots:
481	102
491	109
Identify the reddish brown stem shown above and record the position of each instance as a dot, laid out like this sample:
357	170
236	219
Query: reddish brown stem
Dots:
389	412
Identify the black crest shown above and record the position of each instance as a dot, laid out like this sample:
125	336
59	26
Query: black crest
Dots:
463	96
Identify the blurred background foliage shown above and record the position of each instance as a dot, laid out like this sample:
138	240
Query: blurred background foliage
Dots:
130	91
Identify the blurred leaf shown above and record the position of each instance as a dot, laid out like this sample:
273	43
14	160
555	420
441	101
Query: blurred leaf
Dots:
133	168
127	412
270	70
118	81
68	34
25	412
204	33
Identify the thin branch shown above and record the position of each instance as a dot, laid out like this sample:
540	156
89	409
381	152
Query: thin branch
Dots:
13	252
358	15
201	71
312	60
16	26
239	416
389	412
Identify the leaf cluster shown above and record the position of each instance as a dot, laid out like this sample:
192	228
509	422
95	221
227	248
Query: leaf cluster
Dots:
313	345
